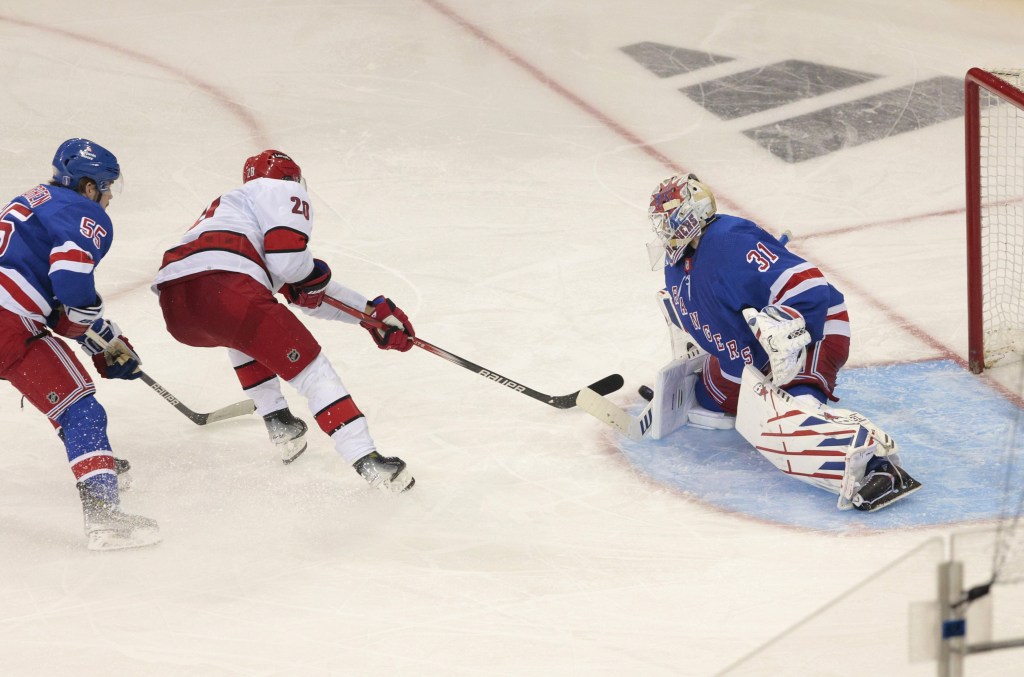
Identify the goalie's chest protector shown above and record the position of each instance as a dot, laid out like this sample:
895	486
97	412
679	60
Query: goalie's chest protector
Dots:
711	288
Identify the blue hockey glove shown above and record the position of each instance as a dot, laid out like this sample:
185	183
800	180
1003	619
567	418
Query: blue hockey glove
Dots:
112	353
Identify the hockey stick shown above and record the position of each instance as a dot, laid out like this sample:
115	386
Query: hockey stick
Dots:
635	428
608	384
232	410
606	411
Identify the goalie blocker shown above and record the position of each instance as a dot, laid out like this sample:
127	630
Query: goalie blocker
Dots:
672	406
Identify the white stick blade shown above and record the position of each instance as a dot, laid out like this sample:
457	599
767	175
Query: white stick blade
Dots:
231	411
604	410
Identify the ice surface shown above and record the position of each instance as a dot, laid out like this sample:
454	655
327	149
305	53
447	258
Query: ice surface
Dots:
488	166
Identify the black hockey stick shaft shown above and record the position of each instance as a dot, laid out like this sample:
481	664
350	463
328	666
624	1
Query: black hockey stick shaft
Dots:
232	410
608	384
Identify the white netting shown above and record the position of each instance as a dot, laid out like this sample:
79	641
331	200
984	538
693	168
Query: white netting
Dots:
1008	552
1002	220
985	552
1001	148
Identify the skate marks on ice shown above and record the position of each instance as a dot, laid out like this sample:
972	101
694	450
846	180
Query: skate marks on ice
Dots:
953	428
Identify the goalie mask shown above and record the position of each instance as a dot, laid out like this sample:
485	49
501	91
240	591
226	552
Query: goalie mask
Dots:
681	208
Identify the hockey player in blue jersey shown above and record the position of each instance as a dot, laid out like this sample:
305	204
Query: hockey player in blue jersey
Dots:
52	237
768	321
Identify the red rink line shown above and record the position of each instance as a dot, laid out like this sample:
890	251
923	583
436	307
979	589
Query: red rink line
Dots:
896	317
553	85
248	121
240	112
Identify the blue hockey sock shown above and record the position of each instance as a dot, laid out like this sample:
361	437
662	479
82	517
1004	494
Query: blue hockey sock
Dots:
806	389
85	439
703	399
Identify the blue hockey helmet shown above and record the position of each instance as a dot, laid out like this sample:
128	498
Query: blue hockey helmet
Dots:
78	159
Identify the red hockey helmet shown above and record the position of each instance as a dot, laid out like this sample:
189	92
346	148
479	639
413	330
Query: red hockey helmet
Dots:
271	164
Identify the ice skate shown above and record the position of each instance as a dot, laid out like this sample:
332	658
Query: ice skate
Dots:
386	473
108	528
287	433
124	474
885	485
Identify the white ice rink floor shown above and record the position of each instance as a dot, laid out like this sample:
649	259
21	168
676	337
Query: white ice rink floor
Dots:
488	166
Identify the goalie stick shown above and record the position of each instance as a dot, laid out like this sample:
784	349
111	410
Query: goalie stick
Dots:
608	384
606	411
231	411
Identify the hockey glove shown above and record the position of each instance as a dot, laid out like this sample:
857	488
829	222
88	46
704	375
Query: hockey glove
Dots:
309	293
112	354
399	334
782	333
72	322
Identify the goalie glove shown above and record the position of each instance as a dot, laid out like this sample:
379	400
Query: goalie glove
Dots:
399	334
112	353
782	333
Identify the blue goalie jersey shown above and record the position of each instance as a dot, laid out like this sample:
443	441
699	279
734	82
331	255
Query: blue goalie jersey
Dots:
738	265
51	240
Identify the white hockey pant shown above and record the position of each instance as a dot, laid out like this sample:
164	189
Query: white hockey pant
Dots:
266	396
320	384
322	388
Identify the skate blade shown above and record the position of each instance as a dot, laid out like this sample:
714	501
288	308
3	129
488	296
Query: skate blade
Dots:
124	481
898	497
402	481
292	450
116	540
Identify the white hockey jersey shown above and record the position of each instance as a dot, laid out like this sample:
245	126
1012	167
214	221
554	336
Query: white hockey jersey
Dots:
262	230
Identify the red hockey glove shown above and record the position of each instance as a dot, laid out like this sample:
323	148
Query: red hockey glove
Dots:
114	357
72	322
399	334
309	293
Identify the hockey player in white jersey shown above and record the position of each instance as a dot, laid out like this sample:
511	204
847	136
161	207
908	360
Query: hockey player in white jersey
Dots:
217	289
773	334
52	237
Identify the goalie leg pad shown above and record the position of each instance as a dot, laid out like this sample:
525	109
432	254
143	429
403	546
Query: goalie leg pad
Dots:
827	448
886	445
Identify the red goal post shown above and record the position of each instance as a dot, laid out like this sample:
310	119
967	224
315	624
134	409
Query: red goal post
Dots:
994	115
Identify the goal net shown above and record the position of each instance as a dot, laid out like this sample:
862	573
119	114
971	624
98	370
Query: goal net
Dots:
994	112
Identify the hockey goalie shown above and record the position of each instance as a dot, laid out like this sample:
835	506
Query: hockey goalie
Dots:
758	337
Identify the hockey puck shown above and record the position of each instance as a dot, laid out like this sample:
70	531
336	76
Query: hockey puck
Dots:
646	393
